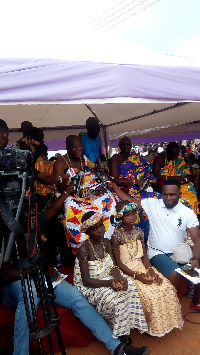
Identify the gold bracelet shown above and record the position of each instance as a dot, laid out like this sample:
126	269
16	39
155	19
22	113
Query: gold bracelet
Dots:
135	273
114	267
65	192
133	181
150	267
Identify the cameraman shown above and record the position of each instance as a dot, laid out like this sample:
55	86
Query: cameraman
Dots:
67	295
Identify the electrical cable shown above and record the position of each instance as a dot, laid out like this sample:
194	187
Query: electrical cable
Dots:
107	12
114	13
178	104
190	320
123	13
179	56
135	13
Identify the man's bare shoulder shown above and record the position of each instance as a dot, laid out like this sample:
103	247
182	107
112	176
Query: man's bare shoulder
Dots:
160	158
117	158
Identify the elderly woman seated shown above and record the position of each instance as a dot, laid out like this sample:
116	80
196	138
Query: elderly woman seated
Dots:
130	172
133	175
88	194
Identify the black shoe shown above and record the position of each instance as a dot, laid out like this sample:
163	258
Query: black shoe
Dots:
130	350
125	340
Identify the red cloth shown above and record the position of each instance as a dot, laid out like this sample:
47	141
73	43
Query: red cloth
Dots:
73	331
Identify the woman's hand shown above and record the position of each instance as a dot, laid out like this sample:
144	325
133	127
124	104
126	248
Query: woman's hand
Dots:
143	183
119	279
111	185
144	278
156	278
124	284
140	182
115	285
120	285
144	216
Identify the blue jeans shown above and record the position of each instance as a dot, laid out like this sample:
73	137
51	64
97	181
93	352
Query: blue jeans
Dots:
67	296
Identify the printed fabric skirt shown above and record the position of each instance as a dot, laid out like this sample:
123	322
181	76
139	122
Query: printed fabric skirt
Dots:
122	310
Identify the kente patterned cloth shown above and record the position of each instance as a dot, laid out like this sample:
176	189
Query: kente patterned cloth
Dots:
136	168
122	310
76	207
160	303
44	166
178	167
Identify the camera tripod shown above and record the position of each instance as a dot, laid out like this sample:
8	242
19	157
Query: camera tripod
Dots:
32	267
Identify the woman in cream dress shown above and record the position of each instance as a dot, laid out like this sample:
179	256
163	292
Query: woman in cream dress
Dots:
158	297
101	282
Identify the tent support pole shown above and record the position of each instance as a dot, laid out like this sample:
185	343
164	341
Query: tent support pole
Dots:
105	140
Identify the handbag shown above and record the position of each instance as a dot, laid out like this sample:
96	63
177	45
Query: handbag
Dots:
182	253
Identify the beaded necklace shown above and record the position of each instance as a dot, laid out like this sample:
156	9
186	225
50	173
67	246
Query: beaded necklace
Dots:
95	254
70	163
131	243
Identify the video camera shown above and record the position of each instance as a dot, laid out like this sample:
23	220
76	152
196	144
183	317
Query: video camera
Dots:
15	164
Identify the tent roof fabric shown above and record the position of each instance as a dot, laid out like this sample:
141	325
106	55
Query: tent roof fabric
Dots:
59	80
136	100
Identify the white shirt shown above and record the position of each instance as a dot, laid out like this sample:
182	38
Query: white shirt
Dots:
167	226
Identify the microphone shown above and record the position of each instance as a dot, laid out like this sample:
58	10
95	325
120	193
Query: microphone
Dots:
81	174
74	179
77	183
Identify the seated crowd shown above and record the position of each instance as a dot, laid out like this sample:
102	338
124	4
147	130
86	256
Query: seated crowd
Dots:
119	225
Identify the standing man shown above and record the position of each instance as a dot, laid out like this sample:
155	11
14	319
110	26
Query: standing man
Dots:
91	141
169	220
25	128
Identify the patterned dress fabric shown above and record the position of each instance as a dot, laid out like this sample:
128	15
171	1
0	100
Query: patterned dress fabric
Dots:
122	310
76	207
44	166
160	303
138	168
178	167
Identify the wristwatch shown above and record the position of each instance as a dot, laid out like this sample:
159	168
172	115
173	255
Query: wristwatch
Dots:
60	179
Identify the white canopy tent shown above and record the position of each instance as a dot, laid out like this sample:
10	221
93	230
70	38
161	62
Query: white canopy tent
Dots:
141	101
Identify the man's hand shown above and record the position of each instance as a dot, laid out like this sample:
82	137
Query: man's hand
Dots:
53	273
194	264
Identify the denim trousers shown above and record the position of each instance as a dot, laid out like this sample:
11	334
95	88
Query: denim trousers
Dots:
67	296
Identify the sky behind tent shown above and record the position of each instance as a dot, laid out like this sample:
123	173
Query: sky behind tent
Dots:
108	30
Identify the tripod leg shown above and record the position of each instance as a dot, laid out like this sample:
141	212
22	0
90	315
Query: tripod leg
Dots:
60	341
33	312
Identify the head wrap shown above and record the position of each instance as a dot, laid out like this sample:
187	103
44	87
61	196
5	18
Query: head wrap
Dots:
128	207
94	219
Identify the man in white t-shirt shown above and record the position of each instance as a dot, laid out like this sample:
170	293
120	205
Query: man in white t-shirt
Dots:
169	220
